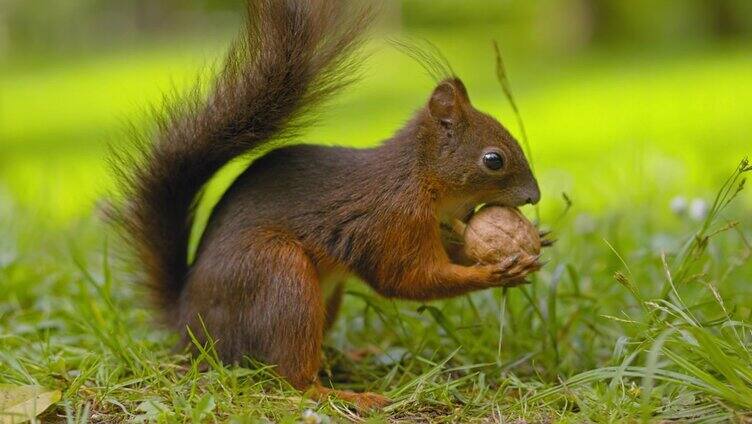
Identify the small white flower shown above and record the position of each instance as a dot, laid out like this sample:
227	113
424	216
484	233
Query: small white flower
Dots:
698	209
584	224
678	205
311	417
663	243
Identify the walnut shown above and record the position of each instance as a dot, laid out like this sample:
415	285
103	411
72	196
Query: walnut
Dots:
495	233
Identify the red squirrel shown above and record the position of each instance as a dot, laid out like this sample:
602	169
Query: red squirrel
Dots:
302	214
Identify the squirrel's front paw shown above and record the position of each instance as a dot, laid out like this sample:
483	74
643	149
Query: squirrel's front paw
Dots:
513	270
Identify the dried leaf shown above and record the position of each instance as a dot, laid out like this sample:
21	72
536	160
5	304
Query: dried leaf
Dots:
23	403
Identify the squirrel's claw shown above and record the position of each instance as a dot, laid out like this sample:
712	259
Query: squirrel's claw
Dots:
546	242
514	270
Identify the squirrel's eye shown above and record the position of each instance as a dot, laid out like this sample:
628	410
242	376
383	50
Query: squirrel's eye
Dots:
493	161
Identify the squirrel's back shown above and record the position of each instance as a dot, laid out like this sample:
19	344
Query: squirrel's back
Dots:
306	186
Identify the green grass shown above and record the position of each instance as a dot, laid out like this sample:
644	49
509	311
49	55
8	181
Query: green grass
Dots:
641	314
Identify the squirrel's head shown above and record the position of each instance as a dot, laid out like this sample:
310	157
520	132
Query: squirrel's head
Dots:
471	154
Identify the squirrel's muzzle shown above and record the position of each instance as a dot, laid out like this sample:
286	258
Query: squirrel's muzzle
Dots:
520	193
534	194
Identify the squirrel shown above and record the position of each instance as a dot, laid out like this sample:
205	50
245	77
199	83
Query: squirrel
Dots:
302	215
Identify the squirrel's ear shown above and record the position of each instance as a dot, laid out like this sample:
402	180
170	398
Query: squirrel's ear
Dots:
446	102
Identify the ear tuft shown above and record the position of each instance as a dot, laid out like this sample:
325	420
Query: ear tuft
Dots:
445	104
461	90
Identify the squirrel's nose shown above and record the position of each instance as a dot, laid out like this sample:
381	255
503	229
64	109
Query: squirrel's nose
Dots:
534	196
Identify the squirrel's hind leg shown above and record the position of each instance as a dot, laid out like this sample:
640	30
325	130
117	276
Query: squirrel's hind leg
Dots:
258	295
363	401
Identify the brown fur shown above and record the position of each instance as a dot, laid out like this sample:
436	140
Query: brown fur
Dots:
300	213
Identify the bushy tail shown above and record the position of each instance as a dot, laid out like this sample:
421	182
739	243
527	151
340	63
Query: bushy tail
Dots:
290	56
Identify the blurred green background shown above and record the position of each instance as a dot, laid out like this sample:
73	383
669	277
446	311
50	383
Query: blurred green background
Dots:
627	103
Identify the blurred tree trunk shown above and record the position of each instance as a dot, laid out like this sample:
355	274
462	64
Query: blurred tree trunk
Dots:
152	15
723	17
605	22
4	38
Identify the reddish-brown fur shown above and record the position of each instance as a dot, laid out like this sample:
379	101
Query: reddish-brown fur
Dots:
301	214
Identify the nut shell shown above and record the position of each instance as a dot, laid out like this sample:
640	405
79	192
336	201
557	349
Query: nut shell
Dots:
495	233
